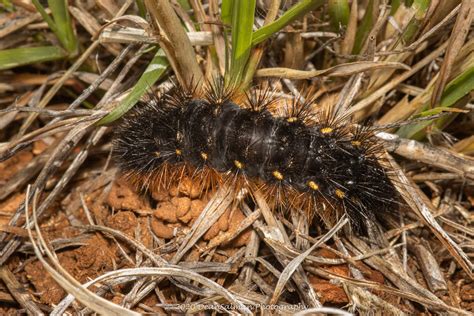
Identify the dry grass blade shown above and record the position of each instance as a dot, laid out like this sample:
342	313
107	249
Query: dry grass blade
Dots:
364	297
175	43
24	176
165	271
397	80
430	268
55	88
436	305
418	202
295	263
348	93
456	41
138	245
9	149
130	35
61	276
349	37
275	231
248	221
133	19
435	156
18	24
336	71
58	156
80	233
323	310
18	292
212	212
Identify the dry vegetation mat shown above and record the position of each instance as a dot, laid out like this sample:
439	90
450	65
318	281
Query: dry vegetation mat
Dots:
77	237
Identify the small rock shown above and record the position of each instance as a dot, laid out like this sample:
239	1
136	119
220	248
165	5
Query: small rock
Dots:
197	206
166	211
234	222
122	196
182	204
186	187
160	195
161	230
221	225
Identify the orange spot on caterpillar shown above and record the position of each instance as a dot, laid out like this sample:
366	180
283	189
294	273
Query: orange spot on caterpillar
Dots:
238	164
313	185
204	156
277	174
356	143
326	130
340	194
157	154
179	152
291	119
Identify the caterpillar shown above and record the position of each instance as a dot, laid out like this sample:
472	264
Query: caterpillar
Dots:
304	158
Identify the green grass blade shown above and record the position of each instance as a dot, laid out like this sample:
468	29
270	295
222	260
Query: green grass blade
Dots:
364	28
60	24
152	73
242	27
395	4
339	12
226	11
45	16
7	6
226	18
456	90
289	16
141	8
11	58
62	20
420	7
185	5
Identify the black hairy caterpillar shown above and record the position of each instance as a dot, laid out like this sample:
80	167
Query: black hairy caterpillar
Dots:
303	158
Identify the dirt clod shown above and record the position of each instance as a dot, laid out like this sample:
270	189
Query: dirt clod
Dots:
123	196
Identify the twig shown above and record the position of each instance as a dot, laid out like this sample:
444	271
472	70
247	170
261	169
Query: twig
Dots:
434	156
19	292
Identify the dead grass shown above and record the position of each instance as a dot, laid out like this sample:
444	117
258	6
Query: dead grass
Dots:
66	218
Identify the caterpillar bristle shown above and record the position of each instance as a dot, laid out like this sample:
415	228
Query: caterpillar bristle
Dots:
301	107
219	92
309	159
178	96
260	99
